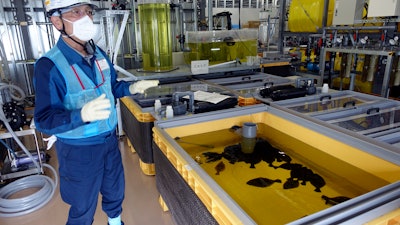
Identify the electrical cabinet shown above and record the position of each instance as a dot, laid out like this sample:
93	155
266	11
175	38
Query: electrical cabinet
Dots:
377	8
346	12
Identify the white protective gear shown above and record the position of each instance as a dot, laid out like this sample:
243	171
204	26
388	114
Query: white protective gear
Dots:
50	141
140	86
97	109
83	29
59	4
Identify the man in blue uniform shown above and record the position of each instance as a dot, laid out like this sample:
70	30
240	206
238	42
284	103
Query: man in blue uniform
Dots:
76	88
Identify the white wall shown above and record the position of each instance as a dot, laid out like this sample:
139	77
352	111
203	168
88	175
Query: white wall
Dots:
246	14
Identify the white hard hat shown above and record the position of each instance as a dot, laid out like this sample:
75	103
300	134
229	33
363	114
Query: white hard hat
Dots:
52	5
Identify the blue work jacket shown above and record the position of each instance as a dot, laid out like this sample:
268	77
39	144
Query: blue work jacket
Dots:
60	95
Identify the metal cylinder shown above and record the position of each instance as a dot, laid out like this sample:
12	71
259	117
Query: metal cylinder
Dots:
396	81
249	130
372	67
349	65
249	133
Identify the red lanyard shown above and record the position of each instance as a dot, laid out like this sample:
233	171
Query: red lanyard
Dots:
80	81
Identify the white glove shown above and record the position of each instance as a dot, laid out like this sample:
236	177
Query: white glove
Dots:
50	141
97	109
141	85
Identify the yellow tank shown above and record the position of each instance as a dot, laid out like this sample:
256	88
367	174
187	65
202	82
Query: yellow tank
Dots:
338	60
360	62
221	46
156	38
359	85
348	170
307	15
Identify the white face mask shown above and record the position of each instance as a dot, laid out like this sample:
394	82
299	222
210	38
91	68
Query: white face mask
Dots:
83	29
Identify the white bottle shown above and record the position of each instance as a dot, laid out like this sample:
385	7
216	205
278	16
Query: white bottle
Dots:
157	106
169	112
325	89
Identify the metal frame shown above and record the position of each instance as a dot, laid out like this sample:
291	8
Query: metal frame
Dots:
114	45
28	171
387	53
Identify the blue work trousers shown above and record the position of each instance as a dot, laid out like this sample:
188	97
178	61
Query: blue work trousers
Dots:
86	171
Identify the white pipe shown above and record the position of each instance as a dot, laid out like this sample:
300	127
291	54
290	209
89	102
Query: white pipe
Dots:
396	81
18	89
210	15
222	64
125	72
41	50
349	65
372	66
12	207
120	35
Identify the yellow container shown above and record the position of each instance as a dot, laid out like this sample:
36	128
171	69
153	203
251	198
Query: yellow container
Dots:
244	101
137	126
221	46
155	30
359	85
138	121
349	170
307	15
136	110
360	62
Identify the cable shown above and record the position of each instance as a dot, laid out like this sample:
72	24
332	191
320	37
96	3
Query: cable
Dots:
24	205
11	86
21	206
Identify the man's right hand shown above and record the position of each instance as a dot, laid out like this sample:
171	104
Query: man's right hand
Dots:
97	109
